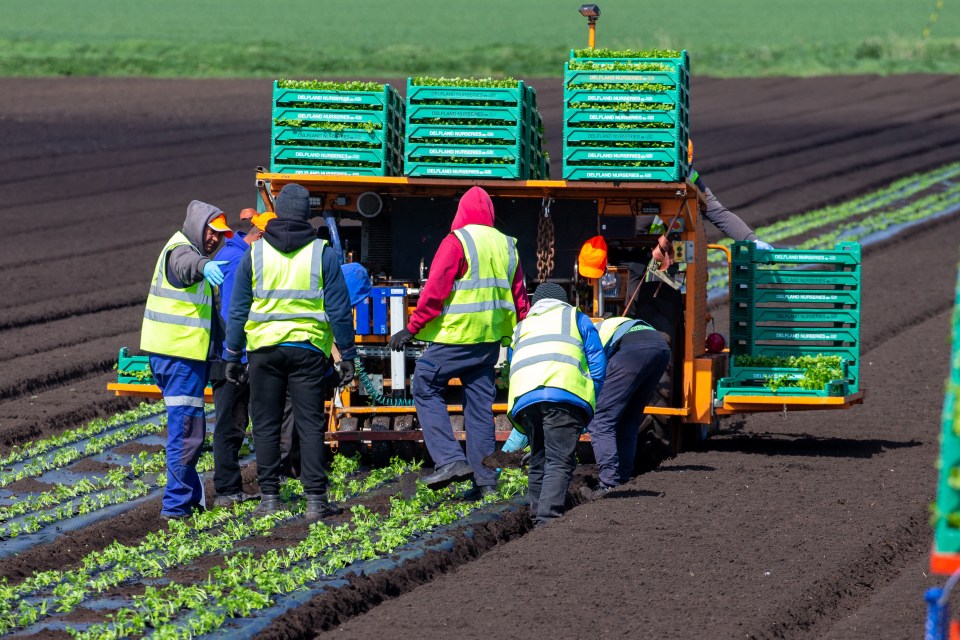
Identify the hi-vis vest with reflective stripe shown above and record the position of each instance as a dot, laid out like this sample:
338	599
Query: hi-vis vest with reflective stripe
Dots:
612	329
288	298
480	307
177	322
548	352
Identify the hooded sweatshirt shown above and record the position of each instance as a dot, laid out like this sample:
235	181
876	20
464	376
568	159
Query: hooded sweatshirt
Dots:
722	218
287	234
231	252
450	263
596	363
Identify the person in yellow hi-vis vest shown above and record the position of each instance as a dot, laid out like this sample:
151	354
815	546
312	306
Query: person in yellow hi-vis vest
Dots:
177	333
289	305
468	307
557	368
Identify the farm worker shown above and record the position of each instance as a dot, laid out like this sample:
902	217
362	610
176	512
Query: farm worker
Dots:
179	334
289	305
637	355
468	307
557	366
231	401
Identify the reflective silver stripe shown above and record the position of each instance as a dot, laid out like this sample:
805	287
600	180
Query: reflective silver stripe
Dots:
546	357
481	283
169	318
182	296
280	317
473	307
316	268
183	401
471	246
554	337
512	264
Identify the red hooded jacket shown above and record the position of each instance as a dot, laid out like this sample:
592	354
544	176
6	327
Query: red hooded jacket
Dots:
450	263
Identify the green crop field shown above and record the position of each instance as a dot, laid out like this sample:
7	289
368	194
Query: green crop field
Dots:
523	38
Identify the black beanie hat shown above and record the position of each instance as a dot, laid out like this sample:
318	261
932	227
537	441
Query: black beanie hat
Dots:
293	203
549	291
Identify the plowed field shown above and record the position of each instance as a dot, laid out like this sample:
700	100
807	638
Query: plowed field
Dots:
786	526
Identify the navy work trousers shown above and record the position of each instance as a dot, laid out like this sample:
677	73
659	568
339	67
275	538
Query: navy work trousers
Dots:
182	383
474	365
553	429
231	402
632	374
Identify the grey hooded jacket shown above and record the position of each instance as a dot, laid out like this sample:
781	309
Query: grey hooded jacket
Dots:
185	264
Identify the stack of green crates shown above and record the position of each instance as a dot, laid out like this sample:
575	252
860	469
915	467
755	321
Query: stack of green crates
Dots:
946	537
354	133
626	118
474	132
787	303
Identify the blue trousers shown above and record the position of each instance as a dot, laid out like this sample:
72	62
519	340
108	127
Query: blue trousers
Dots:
182	382
632	374
474	365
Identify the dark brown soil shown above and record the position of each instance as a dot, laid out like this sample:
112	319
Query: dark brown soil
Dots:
133	448
797	526
503	460
28	485
89	465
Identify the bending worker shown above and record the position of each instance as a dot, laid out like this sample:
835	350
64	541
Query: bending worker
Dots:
178	333
289	305
637	355
232	401
467	309
557	366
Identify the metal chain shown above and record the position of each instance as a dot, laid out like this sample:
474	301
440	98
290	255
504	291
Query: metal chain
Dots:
545	241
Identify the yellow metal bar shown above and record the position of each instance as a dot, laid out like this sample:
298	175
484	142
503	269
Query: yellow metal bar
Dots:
592	35
151	391
756	404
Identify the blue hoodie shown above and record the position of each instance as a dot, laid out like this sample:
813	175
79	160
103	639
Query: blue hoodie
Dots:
232	251
596	362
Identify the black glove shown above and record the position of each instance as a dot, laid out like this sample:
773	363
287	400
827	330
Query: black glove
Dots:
347	372
400	339
236	373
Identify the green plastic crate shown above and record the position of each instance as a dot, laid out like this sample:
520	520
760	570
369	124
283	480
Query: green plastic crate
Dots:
678	66
946	538
770	316
127	364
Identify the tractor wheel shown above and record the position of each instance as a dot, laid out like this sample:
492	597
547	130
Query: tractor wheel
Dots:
380	449
346	447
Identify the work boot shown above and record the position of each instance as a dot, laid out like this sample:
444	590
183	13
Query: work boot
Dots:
233	498
448	474
319	507
269	503
480	492
595	494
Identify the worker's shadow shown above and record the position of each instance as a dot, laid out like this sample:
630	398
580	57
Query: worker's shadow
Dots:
634	493
802	444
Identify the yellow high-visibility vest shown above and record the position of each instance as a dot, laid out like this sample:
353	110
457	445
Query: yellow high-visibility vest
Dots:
288	298
612	329
548	352
480	307
177	322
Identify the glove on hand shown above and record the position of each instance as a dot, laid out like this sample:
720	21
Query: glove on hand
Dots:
663	253
515	442
763	245
212	272
236	373
347	372
400	339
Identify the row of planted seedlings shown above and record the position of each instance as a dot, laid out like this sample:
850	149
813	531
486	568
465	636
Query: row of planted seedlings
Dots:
626	115
242	582
344	128
49	593
473	128
794	322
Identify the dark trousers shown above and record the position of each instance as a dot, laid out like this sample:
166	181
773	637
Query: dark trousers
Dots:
553	429
273	372
232	404
632	374
474	365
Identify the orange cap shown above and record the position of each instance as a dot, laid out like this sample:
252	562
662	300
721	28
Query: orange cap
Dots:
689	150
220	224
259	220
592	262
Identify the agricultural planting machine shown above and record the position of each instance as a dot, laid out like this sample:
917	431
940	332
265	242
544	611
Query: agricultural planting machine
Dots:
386	174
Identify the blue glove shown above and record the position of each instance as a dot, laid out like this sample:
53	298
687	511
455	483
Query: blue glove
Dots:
763	245
211	271
515	442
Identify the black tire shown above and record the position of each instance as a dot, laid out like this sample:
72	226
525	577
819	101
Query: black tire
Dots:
380	449
347	447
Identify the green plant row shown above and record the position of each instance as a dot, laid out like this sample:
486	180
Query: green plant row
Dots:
369	127
183	543
68	455
247	583
626	53
326	85
588	65
489	83
92	428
